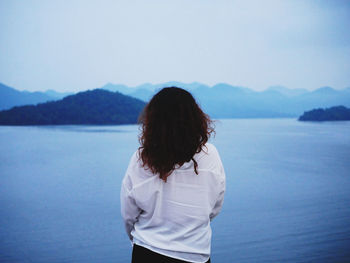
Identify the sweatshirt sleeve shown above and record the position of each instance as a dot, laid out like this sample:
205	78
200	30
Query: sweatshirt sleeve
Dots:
129	209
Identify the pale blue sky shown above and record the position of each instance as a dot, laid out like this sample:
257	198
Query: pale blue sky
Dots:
80	44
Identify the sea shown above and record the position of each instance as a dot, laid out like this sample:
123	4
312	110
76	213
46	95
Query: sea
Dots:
287	192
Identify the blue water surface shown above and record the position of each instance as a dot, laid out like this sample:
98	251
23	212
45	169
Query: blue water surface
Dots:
287	198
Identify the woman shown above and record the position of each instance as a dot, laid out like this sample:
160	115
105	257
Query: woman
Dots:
174	185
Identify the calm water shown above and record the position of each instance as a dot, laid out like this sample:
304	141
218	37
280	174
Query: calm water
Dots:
287	199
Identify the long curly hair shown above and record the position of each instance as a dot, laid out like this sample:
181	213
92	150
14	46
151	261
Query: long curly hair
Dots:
173	130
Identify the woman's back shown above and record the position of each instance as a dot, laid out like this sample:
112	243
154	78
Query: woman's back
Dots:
175	182
175	218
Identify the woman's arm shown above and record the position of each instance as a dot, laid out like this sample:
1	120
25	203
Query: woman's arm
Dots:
129	210
222	187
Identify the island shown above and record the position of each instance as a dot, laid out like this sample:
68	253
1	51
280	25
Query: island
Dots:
92	107
337	113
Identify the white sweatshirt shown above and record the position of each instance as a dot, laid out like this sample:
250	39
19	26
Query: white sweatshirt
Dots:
173	218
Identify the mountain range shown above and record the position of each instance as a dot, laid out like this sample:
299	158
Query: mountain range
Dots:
219	101
226	101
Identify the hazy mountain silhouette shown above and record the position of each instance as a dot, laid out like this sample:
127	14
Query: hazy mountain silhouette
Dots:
288	92
10	97
57	95
220	101
89	107
227	101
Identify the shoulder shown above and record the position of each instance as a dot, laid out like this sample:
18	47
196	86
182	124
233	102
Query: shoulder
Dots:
136	169
211	148
134	158
209	158
208	151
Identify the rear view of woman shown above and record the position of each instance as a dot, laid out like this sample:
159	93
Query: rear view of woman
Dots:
175	182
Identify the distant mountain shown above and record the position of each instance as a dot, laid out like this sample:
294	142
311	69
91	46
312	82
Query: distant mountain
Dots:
143	92
227	101
147	90
57	95
288	92
118	87
337	113
10	97
89	107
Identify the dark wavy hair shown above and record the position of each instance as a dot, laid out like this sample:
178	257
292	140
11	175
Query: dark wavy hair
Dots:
174	129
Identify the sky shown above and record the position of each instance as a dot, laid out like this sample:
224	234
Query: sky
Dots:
73	45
